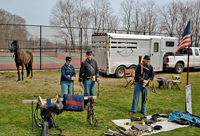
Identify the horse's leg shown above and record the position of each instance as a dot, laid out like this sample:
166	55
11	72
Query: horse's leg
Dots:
27	69
22	71
18	73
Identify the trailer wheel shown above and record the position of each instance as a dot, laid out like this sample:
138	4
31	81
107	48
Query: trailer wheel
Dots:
179	68
120	72
133	68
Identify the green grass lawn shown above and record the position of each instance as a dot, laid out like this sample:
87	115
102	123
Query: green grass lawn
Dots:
114	103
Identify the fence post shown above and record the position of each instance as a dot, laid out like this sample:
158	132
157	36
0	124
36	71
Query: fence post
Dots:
40	47
8	45
56	49
81	43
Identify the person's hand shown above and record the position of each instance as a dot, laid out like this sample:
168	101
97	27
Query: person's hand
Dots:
145	82
81	84
98	79
73	78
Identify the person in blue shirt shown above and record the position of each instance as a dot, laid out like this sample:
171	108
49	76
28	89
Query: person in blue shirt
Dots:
143	75
68	75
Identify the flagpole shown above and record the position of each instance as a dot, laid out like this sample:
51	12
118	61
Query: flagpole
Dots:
188	60
188	64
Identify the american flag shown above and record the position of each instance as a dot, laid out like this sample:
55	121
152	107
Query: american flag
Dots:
185	39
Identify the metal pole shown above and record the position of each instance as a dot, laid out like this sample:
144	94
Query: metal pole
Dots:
188	61
81	44
56	48
8	45
32	116
40	47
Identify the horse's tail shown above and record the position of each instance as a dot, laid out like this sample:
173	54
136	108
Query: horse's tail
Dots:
29	66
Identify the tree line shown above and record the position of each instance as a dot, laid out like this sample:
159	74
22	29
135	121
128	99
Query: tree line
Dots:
133	16
11	32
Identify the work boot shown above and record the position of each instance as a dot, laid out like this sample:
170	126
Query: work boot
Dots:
144	113
131	113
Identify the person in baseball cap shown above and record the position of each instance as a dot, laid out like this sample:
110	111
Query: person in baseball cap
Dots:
89	73
68	75
144	74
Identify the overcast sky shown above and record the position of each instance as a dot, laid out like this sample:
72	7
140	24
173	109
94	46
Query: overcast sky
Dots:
37	12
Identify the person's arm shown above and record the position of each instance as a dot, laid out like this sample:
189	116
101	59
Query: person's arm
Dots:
81	73
74	72
96	70
63	74
151	77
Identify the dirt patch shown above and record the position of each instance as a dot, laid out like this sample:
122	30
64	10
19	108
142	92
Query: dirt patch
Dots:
10	76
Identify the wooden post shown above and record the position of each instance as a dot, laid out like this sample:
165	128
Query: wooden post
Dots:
140	59
52	100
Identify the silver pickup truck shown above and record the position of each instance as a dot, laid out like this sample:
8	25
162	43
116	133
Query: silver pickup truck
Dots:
179	62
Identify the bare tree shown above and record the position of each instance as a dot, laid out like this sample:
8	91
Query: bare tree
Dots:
184	14
195	20
169	18
126	12
64	13
96	14
9	32
149	16
137	18
102	16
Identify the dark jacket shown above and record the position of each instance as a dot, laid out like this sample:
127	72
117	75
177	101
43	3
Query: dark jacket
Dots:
88	69
147	74
66	73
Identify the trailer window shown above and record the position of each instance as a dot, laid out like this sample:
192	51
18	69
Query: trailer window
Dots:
121	43
169	44
131	43
132	47
156	46
196	52
113	46
114	42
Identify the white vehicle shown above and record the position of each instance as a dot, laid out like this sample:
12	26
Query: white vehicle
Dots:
116	52
180	61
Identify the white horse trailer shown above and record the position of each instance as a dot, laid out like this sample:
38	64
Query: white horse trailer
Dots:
116	52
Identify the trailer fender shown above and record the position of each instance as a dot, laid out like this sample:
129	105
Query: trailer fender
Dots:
132	67
114	68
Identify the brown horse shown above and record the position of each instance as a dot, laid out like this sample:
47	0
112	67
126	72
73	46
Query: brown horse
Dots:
22	58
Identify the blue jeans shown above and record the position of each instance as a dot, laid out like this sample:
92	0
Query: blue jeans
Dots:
136	95
89	87
66	87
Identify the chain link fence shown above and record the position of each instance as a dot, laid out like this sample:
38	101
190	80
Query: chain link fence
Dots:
51	44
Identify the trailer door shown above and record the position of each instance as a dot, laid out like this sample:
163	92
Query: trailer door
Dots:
157	59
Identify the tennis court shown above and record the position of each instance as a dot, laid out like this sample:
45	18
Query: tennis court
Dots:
48	60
